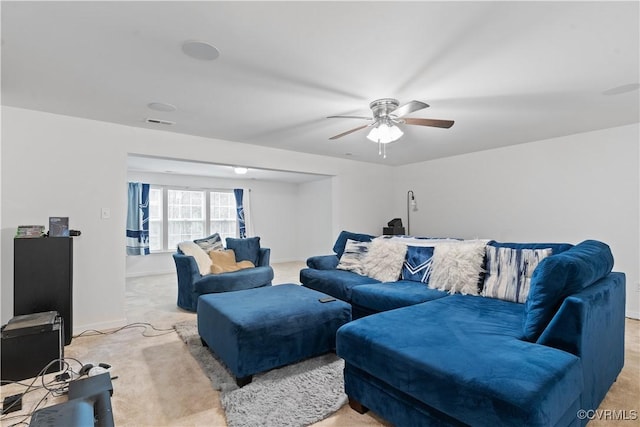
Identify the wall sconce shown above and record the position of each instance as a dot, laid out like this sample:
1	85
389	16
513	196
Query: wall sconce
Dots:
411	205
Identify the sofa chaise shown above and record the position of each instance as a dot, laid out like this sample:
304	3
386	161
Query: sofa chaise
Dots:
423	356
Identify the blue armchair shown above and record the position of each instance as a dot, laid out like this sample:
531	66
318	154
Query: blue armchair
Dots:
192	284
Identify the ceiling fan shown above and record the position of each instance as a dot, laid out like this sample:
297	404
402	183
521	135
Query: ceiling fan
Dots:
387	115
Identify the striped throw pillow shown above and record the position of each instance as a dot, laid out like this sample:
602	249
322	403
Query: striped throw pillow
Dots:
354	253
211	243
508	272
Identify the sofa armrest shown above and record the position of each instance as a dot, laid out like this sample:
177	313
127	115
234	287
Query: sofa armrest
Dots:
590	324
188	271
323	262
264	257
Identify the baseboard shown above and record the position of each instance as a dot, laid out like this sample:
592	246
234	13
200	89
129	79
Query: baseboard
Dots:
173	270
282	261
149	273
633	315
102	326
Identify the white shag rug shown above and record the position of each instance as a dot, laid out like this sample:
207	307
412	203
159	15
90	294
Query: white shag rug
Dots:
296	395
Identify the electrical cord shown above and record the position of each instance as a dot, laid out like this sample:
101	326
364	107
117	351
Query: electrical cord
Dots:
54	388
58	386
25	417
145	325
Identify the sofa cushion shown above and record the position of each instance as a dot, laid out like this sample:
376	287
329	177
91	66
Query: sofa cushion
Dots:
353	255
462	356
341	241
559	276
379	297
247	249
210	243
247	278
508	272
337	283
202	258
417	264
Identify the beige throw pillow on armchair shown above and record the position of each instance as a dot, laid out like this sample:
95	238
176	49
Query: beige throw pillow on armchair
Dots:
224	261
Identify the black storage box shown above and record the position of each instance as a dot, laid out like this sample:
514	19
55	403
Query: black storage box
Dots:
393	231
29	343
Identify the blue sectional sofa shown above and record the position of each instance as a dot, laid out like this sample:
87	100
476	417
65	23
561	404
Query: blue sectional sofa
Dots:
420	356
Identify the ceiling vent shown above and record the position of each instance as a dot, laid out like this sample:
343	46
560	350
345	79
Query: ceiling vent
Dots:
160	122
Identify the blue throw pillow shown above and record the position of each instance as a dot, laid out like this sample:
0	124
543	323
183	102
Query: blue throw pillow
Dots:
246	249
417	264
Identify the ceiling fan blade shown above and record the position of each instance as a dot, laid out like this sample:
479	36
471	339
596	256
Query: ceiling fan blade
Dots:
430	122
350	117
348	132
408	108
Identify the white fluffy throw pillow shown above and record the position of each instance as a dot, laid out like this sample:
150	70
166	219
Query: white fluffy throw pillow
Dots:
456	267
384	260
201	257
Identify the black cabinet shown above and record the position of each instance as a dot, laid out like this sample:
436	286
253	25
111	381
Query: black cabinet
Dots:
43	278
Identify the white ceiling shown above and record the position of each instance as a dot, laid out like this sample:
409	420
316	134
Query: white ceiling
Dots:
506	72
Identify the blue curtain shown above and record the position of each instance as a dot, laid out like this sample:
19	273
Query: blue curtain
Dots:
238	192
138	219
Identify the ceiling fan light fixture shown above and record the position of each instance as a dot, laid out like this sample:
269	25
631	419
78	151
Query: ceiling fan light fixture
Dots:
386	114
385	133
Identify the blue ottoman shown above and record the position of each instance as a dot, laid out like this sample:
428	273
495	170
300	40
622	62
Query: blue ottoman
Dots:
259	329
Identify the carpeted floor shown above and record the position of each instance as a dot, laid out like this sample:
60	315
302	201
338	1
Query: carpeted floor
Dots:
160	384
295	395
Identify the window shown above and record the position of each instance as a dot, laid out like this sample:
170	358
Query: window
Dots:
223	214
186	217
179	214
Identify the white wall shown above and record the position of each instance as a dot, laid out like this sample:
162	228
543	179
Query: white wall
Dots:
58	166
55	165
568	189
314	216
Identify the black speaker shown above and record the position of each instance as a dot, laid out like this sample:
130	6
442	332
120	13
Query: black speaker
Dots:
29	343
43	278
